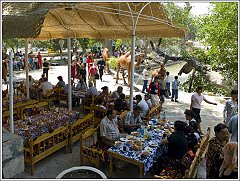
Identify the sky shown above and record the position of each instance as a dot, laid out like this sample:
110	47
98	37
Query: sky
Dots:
197	8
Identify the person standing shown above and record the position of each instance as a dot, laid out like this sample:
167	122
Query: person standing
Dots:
167	79
101	65
73	70
196	100
231	107
233	128
36	63
83	73
175	85
145	73
39	57
92	73
89	61
154	91
45	67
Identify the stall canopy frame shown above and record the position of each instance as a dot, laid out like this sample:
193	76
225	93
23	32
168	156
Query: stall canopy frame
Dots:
98	20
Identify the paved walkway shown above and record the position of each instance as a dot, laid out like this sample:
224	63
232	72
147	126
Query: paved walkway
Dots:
54	164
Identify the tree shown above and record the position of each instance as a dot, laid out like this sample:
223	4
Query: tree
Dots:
12	43
219	30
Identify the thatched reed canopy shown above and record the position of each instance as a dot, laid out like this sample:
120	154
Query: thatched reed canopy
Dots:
98	20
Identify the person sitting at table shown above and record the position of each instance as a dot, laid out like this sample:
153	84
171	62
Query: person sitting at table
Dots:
132	121
147	98
31	82
92	91
40	81
60	83
121	104
116	94
142	104
215	155
177	145
104	96
189	115
193	135
45	86
75	99
109	128
81	85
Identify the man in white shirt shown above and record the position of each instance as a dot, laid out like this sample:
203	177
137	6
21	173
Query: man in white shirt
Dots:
109	128
196	101
145	73
147	98
142	104
45	86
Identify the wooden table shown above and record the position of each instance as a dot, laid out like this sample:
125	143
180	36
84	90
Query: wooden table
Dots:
126	159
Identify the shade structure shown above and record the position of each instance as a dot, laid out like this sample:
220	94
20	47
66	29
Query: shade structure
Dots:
98	20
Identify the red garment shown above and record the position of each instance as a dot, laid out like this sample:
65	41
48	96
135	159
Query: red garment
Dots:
93	70
39	57
150	87
89	60
73	71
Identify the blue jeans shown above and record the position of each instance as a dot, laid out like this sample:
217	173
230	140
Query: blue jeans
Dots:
144	85
168	92
175	94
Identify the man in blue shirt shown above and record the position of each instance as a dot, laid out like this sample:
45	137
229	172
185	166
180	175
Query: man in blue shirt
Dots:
233	128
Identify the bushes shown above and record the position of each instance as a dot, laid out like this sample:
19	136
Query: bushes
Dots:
112	62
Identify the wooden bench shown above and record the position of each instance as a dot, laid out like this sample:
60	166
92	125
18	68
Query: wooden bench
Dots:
87	152
45	145
98	114
191	173
77	128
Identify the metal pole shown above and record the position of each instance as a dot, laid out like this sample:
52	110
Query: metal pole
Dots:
134	26
69	75
11	92
132	71
26	66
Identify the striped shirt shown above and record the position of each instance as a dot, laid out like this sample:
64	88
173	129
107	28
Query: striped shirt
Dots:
109	128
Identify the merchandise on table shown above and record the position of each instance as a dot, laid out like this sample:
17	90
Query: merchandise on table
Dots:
46	122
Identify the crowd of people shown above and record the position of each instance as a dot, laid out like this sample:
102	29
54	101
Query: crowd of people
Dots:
185	135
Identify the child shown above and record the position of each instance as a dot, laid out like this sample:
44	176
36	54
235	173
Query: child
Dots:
168	92
175	85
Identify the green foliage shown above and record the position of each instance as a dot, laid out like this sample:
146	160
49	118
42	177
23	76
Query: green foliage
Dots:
118	43
220	31
112	62
182	17
42	43
207	87
12	43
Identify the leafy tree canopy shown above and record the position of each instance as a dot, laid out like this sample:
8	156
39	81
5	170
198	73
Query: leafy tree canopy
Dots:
219	30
